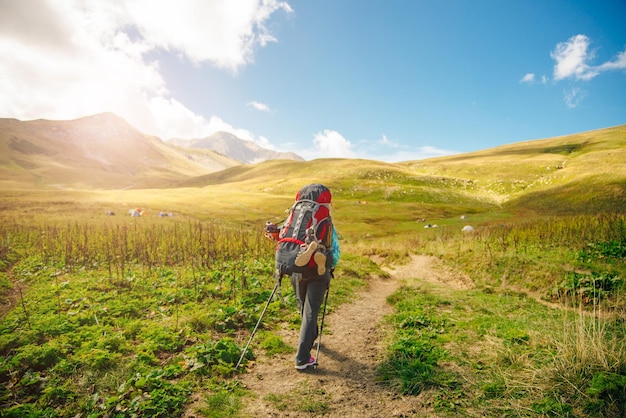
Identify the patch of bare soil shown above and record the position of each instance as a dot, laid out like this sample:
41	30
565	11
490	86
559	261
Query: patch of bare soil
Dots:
10	299
7	303
431	270
344	384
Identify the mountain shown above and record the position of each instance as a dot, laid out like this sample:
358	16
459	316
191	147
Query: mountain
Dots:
584	172
101	151
241	150
579	173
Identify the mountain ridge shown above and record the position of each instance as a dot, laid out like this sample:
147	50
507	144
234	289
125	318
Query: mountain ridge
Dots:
104	152
99	151
582	172
242	150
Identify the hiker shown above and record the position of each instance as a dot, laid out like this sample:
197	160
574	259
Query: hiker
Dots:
310	290
308	251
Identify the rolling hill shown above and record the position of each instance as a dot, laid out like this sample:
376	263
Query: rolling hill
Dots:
584	172
101	151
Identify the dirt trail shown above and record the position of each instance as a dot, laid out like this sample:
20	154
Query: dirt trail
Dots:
344	382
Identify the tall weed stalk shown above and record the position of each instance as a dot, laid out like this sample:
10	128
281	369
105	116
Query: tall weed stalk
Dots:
589	366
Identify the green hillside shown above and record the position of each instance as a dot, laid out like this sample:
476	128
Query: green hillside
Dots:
146	316
582	173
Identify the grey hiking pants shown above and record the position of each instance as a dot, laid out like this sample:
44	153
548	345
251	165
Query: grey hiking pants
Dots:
310	296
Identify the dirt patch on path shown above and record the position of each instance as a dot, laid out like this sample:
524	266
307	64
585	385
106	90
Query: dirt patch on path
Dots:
431	270
344	384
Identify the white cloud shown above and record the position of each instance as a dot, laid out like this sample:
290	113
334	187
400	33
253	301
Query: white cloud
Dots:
223	32
258	106
74	58
528	78
329	144
70	76
173	120
384	140
572	60
619	63
574	96
265	143
393	151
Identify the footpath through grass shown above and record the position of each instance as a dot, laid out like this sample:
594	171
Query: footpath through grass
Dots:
497	351
477	353
133	320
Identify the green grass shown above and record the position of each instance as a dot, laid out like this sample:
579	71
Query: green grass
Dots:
303	399
498	350
120	315
132	318
503	354
223	399
111	309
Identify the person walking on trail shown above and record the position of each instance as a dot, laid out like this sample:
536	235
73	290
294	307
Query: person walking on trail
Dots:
310	293
307	251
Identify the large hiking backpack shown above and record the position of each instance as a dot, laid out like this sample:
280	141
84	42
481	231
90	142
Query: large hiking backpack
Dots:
308	221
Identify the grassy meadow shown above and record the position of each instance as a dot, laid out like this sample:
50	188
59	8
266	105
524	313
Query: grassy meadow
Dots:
116	316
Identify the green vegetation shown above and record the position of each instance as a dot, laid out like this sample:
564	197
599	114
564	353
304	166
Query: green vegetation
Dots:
504	344
578	258
302	400
123	320
119	316
504	354
117	319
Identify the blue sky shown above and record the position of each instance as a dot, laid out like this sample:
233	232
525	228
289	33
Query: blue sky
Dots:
387	80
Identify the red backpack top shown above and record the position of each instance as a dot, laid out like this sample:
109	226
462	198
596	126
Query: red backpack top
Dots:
308	220
310	212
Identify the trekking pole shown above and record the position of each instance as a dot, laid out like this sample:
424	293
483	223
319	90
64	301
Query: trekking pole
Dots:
257	324
319	341
278	280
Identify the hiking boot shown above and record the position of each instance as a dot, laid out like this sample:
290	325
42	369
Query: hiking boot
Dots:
303	258
303	366
320	260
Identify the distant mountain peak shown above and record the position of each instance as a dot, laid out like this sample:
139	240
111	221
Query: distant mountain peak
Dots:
97	151
230	145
